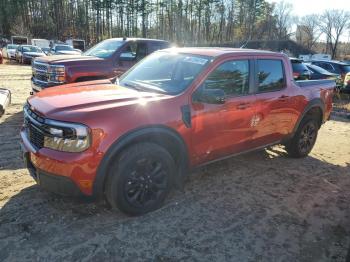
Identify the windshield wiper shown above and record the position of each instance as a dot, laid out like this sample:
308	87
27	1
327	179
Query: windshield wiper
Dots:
133	86
143	87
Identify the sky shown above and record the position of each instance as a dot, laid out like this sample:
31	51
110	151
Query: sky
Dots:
306	7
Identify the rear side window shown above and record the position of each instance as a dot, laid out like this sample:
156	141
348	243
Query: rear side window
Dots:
157	46
299	66
232	77
345	68
270	75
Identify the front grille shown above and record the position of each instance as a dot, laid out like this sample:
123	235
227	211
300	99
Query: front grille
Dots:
40	71
36	137
33	123
41	77
40	67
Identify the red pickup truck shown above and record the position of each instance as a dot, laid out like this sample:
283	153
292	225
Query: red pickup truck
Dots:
110	58
133	140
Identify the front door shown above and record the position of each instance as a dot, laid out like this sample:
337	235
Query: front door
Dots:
223	129
131	53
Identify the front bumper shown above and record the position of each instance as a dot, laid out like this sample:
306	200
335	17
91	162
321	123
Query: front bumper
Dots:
53	183
60	172
38	85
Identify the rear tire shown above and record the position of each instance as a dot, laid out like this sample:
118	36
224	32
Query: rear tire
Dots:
304	138
140	179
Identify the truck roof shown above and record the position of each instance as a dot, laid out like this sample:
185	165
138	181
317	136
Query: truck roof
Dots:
136	38
218	51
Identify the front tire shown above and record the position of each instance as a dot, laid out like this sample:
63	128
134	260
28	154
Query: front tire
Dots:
304	138
140	179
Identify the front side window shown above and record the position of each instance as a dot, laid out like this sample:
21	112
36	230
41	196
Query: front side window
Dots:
270	75
134	51
232	77
164	72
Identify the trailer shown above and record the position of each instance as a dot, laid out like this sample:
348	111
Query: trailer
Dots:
19	40
76	43
42	43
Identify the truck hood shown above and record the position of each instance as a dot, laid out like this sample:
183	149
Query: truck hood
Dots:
73	100
67	59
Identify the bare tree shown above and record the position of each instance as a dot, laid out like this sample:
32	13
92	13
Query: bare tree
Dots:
309	31
333	23
284	19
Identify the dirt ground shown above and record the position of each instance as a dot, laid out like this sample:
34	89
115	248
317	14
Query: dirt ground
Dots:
261	206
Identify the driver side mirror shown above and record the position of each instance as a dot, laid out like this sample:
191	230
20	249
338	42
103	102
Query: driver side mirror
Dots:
209	96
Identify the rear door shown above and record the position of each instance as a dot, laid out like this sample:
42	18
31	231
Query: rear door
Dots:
222	129
274	102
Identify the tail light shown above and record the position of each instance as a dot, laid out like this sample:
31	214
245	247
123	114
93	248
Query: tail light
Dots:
296	75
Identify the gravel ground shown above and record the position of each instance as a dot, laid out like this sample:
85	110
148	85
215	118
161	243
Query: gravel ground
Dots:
261	206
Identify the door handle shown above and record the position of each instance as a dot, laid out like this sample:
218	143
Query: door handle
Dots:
243	106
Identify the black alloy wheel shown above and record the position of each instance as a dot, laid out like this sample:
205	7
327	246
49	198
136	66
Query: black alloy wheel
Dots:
307	137
140	178
146	182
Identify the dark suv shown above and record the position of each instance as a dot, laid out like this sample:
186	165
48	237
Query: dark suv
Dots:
340	68
300	70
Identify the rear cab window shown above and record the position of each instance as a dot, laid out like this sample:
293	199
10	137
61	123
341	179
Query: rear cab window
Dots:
270	75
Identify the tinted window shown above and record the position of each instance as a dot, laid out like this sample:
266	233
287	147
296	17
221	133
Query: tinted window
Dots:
157	46
317	69
345	68
326	66
298	66
270	75
232	77
64	48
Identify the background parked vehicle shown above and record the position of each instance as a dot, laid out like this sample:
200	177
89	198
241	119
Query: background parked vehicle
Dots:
46	50
19	40
9	51
76	44
25	53
107	59
341	68
175	110
63	49
320	73
41	43
300	71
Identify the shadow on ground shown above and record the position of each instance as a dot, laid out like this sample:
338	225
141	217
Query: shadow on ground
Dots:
258	207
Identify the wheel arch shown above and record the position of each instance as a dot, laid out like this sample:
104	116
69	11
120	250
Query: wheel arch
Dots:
314	108
161	135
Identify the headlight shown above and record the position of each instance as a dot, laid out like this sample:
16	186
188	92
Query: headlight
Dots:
27	56
56	73
67	137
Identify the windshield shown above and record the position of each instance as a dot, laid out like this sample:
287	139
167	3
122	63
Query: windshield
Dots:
318	69
165	72
12	46
104	49
31	49
64	48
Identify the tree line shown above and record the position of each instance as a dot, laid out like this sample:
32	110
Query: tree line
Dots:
184	22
